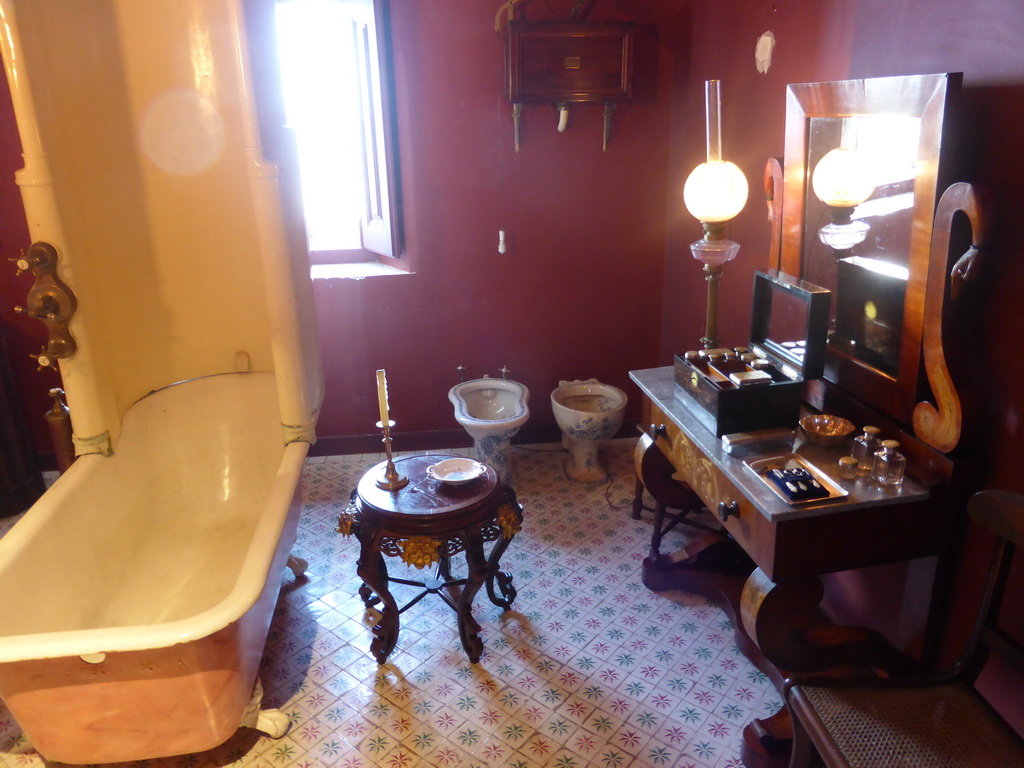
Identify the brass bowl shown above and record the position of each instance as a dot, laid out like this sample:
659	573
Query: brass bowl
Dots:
823	429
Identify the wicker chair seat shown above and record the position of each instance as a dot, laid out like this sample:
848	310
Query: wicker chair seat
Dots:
947	726
929	719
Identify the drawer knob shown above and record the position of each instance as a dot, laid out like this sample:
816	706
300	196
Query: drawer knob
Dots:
727	510
656	431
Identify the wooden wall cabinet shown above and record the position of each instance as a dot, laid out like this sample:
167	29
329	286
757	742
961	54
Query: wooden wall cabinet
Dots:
569	63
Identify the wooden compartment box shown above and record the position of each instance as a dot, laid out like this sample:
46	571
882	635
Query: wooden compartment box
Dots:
788	330
553	62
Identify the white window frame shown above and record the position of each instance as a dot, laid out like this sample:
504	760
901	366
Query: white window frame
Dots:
380	219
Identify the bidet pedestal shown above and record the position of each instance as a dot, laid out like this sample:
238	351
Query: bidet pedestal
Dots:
495	450
583	464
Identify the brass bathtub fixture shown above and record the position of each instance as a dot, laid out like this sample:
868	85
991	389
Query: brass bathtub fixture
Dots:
58	419
49	301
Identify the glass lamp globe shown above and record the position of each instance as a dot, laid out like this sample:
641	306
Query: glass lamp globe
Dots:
843	178
715	192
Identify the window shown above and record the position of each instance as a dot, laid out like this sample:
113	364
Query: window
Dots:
336	100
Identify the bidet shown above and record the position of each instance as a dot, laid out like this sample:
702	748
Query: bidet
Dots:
492	411
587	412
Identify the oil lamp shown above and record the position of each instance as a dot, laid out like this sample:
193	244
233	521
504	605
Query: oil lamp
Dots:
714	193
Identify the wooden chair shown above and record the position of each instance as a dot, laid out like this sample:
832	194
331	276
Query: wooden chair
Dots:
654	473
925	720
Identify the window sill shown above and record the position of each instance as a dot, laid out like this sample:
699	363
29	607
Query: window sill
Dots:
356	271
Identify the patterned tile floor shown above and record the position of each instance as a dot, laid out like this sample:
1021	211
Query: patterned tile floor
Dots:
588	670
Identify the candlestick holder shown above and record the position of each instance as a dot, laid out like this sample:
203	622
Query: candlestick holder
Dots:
391	480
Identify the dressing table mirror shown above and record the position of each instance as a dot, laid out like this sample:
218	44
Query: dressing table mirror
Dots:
885	272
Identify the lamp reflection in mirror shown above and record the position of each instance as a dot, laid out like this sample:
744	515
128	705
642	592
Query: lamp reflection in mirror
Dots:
843	179
714	193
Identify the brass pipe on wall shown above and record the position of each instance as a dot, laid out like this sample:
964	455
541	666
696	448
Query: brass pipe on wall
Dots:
58	419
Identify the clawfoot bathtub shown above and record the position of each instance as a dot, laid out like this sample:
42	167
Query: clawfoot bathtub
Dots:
136	595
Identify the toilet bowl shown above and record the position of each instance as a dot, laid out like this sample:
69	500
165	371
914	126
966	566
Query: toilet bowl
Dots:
492	411
587	412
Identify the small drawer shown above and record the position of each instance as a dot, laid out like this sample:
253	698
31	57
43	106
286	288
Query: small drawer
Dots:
728	505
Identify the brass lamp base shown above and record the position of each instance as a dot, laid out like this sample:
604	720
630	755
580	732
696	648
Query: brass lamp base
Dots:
713	250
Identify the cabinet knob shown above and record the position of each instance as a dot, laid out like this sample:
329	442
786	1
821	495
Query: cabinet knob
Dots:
657	430
727	510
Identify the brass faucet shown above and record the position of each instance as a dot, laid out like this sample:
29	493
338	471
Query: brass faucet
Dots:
49	301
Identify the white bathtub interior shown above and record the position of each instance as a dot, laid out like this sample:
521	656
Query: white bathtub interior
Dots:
166	540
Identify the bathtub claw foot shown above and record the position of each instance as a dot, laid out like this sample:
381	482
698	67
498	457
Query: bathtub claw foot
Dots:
273	722
298	566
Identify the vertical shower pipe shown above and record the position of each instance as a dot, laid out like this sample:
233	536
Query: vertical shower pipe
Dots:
298	396
89	396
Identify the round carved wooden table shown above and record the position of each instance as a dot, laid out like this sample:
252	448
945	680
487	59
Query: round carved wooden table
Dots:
424	523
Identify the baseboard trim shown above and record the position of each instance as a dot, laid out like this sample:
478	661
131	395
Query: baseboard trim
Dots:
343	445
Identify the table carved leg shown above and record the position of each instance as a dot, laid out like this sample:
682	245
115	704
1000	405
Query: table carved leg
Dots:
502	594
785	622
444	568
509	522
374	573
786	625
478	572
369	597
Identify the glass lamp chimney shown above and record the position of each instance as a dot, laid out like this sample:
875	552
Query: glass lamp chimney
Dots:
713	108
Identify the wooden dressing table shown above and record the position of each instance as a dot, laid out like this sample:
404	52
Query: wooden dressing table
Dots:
763	568
894	296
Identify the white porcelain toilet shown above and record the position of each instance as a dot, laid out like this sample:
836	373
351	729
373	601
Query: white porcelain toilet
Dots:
492	411
587	412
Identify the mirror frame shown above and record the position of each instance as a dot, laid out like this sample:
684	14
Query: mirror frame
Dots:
927	97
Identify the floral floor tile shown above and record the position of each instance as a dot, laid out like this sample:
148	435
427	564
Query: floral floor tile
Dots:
588	670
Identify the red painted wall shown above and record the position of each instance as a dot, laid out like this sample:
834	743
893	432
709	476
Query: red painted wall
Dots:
23	335
865	38
576	295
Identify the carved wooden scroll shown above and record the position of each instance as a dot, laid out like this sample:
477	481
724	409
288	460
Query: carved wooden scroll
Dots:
939	425
773	199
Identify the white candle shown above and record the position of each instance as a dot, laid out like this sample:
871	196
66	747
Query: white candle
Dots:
382	397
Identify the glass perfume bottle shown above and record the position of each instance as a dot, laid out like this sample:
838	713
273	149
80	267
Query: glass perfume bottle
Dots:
889	464
864	447
848	467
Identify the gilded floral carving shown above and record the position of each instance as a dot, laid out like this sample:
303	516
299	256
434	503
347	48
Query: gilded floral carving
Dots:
345	520
509	521
420	551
